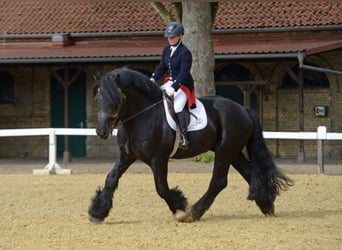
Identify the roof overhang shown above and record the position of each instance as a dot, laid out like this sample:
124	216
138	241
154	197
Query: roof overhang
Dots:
102	51
285	47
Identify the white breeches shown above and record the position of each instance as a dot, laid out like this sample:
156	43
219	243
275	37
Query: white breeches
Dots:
180	98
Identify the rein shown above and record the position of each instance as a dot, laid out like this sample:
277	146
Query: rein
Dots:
116	115
141	111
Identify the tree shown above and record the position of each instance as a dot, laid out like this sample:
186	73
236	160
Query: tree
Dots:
197	19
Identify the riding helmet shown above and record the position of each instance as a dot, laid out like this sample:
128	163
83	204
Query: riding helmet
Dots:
174	29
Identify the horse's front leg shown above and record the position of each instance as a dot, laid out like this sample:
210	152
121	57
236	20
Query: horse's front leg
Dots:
102	201
173	197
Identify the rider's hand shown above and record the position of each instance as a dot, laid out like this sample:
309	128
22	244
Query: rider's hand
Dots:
170	91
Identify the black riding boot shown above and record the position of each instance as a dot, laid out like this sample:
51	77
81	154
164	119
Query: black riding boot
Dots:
183	127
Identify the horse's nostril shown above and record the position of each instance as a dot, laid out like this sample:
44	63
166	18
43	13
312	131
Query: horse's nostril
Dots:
102	133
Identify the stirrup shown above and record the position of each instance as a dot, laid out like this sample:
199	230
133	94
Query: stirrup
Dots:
184	143
183	146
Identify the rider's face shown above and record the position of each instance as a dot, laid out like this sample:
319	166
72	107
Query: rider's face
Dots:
173	40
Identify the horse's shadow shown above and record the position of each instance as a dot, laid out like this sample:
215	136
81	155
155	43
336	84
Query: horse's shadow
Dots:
319	213
281	215
288	215
121	222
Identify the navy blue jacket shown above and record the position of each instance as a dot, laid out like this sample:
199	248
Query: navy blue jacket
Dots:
177	67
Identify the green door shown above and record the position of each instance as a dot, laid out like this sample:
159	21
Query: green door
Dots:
77	111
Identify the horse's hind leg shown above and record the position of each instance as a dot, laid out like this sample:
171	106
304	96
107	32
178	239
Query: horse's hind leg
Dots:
243	166
217	183
102	202
259	187
266	180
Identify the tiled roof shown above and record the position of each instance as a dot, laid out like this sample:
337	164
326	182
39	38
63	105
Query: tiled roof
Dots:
45	17
99	49
40	17
253	14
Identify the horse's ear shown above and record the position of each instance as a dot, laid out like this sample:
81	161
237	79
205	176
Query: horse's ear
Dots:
97	76
96	89
117	79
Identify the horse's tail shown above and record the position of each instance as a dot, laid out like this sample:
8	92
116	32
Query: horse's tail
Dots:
266	180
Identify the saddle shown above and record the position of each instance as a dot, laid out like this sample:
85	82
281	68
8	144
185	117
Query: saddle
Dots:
170	108
196	118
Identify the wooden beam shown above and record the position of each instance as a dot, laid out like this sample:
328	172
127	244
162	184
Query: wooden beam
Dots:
291	73
239	83
66	81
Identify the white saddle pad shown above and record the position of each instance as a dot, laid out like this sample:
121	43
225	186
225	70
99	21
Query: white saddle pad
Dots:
198	117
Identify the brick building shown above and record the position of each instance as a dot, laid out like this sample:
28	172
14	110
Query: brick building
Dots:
264	52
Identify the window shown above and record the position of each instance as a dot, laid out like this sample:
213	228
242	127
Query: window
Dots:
312	79
6	88
234	72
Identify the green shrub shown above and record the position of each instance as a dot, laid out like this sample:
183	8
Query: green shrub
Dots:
205	157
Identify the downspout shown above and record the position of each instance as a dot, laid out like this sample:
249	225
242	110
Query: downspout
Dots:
301	152
301	57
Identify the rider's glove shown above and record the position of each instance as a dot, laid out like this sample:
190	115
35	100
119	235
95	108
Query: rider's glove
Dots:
170	91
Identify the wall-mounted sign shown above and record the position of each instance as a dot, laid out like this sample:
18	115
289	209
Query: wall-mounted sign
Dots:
321	110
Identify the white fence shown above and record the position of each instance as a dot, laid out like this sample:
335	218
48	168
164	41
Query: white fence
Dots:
53	167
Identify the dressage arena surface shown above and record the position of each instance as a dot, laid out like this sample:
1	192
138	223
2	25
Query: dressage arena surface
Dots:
50	212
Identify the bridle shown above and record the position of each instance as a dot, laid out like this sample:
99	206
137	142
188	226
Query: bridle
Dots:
116	115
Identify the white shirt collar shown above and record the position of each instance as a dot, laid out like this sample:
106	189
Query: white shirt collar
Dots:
173	48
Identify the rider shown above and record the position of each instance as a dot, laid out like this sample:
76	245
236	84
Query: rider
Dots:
176	61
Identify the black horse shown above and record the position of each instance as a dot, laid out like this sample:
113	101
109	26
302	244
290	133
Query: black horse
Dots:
129	100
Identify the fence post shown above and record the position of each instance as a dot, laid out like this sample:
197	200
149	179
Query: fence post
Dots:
52	167
321	136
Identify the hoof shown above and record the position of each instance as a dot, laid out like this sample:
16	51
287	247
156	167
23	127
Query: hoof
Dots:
182	216
271	212
95	220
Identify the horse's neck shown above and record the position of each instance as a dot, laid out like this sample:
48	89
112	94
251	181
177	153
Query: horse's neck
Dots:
136	103
136	98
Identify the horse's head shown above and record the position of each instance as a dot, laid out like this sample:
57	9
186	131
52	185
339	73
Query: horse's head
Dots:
109	101
114	105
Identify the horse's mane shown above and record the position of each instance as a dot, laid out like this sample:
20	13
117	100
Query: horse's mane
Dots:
133	79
